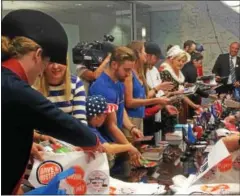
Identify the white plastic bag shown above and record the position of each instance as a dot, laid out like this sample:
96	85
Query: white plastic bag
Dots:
118	187
220	174
90	178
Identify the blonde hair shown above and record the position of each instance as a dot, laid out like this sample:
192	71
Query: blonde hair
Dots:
122	54
42	85
137	47
182	56
18	46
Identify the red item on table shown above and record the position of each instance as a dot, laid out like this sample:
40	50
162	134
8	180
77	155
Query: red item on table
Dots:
200	71
199	131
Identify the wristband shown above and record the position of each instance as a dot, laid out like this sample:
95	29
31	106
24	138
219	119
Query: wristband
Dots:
134	126
155	90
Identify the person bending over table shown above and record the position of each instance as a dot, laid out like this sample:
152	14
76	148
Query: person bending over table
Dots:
30	39
110	85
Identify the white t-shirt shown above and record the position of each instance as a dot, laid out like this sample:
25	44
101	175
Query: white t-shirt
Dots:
153	79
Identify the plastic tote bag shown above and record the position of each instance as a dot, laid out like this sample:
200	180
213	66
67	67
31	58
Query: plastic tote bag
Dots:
88	177
53	186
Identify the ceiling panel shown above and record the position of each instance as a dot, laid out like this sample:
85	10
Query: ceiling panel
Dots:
65	5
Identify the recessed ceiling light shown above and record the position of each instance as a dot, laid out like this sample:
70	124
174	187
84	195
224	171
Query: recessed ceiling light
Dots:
78	4
109	5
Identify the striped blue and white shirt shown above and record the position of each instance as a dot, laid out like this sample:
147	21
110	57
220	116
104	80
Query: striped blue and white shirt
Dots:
76	105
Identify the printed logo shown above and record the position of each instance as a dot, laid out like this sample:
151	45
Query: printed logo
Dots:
47	170
97	182
77	177
225	165
81	188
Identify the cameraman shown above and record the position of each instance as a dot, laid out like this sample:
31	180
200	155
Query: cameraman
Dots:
88	76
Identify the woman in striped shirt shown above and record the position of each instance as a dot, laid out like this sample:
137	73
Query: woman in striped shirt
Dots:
65	90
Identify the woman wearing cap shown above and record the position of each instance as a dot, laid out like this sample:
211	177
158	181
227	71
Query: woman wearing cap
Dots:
137	95
30	40
176	59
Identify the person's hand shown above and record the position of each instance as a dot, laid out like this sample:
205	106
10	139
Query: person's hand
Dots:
231	119
37	151
48	138
108	57
172	110
237	84
99	149
232	142
91	153
135	157
163	101
218	79
196	107
136	133
213	97
165	86
179	92
186	85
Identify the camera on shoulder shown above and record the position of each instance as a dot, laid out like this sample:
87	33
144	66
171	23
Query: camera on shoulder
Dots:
92	54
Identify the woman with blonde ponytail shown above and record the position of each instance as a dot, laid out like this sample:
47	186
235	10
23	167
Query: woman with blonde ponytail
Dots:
137	93
32	39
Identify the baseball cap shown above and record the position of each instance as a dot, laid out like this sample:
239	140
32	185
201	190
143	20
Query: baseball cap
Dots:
39	27
199	47
153	48
97	104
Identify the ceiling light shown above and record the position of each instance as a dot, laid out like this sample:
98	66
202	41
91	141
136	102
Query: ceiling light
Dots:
109	5
143	32
234	5
231	3
79	4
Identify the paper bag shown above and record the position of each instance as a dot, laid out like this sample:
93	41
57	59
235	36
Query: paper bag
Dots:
219	174
89	178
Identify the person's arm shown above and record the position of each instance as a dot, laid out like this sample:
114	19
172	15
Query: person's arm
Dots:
131	102
131	127
117	148
217	66
190	103
93	75
43	115
202	93
79	102
111	125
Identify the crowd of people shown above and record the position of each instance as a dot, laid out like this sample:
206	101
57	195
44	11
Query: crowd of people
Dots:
128	97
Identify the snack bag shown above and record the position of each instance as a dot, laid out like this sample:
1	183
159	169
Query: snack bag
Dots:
89	177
